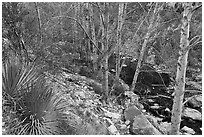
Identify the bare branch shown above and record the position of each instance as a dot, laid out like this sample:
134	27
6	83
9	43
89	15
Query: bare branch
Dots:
142	7
141	24
70	8
198	36
192	45
169	20
197	7
131	11
190	99
82	29
101	15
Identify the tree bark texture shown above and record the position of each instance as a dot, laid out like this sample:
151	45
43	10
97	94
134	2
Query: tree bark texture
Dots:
181	71
119	32
86	23
93	34
106	20
76	16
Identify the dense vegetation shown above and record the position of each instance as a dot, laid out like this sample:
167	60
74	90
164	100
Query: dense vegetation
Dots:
93	68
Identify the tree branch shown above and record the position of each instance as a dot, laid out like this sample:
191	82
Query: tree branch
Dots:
194	9
82	29
192	45
199	36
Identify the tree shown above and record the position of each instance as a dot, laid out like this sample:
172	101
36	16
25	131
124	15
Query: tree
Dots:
93	34
105	22
39	22
121	9
13	14
153	21
189	8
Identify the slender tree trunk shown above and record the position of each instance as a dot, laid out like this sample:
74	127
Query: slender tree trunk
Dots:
87	24
61	23
94	56
106	20
76	10
119	31
102	30
181	71
144	45
39	23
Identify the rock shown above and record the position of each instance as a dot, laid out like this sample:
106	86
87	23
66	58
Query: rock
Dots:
194	84
186	133
199	77
82	126
192	113
165	127
141	126
132	112
150	100
196	101
155	107
188	130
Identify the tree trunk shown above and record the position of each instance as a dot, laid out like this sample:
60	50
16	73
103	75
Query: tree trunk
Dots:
75	32
93	34
39	23
144	45
86	22
61	22
181	71
119	31
106	20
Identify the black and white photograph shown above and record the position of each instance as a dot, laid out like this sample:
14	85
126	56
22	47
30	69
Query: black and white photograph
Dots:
101	68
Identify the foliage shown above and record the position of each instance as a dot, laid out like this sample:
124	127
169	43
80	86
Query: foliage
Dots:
38	106
36	109
13	14
17	77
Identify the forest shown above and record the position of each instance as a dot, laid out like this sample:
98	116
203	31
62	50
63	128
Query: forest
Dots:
102	68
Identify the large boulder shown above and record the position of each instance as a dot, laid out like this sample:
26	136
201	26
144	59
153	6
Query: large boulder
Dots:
148	77
139	125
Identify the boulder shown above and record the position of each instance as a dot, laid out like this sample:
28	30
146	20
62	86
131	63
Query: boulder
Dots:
192	113
165	127
196	101
132	112
84	126
188	130
139	124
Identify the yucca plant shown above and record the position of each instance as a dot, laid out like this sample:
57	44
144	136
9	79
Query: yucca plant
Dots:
17	76
38	110
42	111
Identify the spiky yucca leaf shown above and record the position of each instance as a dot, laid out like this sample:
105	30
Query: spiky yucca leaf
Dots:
41	112
17	76
37	109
